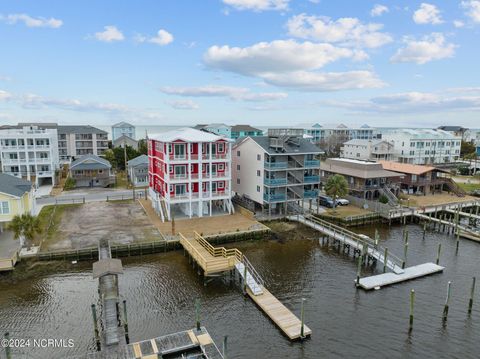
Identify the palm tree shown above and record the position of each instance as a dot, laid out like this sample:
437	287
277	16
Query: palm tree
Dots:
24	227
336	187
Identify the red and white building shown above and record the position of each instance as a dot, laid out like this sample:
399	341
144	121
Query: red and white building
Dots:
190	173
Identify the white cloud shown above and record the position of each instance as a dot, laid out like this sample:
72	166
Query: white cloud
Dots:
346	31
110	34
378	10
427	14
233	93
472	8
275	56
429	48
162	38
183	105
32	21
5	78
411	102
329	81
4	95
258	5
458	23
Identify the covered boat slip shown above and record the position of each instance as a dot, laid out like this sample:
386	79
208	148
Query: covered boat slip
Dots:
217	260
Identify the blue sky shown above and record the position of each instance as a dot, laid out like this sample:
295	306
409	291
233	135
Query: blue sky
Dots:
263	62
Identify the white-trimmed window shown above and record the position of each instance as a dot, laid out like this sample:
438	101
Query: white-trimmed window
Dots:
4	207
221	167
259	157
258	173
221	147
170	169
238	180
170	188
258	188
191	147
191	168
169	148
238	167
238	153
221	185
204	186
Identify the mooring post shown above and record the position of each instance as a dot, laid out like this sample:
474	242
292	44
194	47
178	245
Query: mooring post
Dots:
412	302
472	293
359	268
376	238
95	326
125	321
405	248
447	301
438	252
424	229
385	259
244	279
457	242
7	346
302	319
224	349
197	313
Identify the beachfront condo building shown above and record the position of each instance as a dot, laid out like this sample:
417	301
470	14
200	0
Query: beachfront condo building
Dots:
190	174
123	129
278	173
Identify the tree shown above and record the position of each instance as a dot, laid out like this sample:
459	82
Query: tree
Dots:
116	156
336	187
467	148
24	227
142	147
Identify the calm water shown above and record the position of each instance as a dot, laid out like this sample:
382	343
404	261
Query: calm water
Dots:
160	290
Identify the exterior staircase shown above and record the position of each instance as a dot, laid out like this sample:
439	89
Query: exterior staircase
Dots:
455	188
392	199
254	281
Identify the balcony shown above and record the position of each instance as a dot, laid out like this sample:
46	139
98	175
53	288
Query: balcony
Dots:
178	157
278	197
45	147
11	148
311	179
312	163
310	194
275	181
276	165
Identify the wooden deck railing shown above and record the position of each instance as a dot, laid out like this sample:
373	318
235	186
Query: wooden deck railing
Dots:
197	256
218	251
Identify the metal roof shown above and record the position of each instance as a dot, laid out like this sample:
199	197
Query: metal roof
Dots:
80	129
140	160
187	134
237	128
90	162
14	186
356	168
305	146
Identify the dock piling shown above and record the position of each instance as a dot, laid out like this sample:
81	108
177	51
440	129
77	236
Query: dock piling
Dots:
412	302
424	229
302	320
197	313
438	253
224	349
405	248
385	259
125	321
359	269
95	326
457	242
472	293
8	353
447	301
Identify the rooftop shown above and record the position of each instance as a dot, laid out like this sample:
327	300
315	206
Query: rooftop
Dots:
245	128
123	124
142	159
424	133
356	168
80	129
90	162
358	142
187	134
14	186
304	146
407	168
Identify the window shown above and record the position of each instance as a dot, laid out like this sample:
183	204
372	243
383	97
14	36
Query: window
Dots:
169	148
170	169
238	180
221	185
191	147
238	167
221	147
170	188
4	208
238	153
259	157
258	188
221	166
258	173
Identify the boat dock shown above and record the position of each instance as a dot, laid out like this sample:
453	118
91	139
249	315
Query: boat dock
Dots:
215	261
365	246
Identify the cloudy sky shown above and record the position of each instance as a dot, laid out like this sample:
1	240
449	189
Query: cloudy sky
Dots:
263	62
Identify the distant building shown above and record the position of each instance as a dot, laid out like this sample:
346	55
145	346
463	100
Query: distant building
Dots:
190	173
368	150
331	136
138	171
16	198
457	131
238	131
29	152
77	141
123	129
92	171
366	180
125	140
279	172
423	146
219	129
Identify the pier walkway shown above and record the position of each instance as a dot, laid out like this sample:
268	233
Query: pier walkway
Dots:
465	232
364	245
214	261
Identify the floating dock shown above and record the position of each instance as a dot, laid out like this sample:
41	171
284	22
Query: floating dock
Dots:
381	280
216	260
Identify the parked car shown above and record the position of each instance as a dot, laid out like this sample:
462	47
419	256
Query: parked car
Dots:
343	202
325	201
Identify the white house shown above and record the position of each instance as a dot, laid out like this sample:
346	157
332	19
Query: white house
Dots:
368	150
138	171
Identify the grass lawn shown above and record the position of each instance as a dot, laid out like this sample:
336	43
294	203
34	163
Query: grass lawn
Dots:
345	211
50	217
469	187
122	181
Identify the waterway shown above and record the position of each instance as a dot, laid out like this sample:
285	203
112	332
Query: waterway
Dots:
347	323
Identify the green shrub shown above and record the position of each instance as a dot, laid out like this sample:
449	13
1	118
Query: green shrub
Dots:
69	184
383	199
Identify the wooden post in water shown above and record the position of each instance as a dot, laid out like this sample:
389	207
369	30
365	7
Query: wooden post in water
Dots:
385	259
224	351
359	268
472	293
376	238
7	346
125	321
412	302
95	326
302	319
447	301
438	253
197	313
244	279
457	241
405	248
424	229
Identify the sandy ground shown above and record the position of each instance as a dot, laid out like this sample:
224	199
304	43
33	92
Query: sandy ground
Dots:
84	225
437	199
206	225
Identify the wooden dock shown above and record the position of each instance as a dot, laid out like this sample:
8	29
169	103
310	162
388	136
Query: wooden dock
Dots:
279	314
7	264
216	260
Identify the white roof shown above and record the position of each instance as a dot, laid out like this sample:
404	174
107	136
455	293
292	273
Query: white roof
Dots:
187	134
